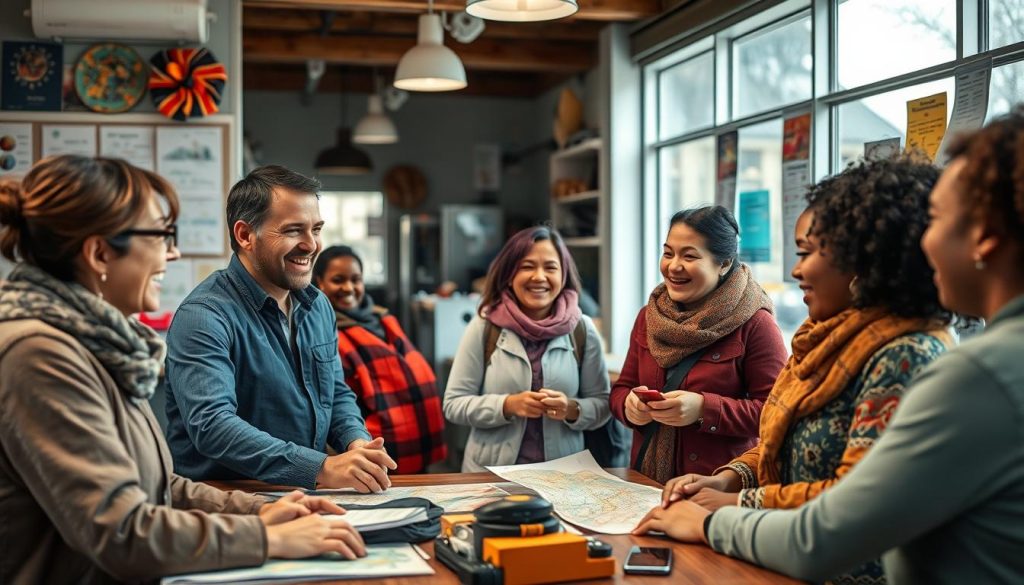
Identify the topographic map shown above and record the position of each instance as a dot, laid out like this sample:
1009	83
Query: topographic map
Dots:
584	494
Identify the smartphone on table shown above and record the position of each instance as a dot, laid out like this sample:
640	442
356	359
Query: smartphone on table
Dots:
646	396
649	560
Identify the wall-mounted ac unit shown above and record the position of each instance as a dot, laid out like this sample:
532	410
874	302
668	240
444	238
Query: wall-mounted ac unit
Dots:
138	20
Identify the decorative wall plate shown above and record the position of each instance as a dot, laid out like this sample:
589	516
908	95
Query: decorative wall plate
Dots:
110	78
186	83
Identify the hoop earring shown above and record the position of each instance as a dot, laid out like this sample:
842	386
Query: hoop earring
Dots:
854	288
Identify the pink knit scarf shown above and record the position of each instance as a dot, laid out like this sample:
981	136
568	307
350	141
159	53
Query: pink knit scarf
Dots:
563	318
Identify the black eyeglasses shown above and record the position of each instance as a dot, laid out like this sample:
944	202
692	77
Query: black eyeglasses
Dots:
170	234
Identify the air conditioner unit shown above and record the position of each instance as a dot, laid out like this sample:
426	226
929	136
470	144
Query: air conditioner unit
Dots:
138	20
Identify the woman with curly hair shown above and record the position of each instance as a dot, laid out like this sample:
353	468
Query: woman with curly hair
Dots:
874	322
942	492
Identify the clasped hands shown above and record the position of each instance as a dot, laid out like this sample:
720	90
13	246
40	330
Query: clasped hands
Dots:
679	409
544	402
363	467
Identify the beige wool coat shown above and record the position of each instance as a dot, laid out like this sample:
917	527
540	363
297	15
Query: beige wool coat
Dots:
87	489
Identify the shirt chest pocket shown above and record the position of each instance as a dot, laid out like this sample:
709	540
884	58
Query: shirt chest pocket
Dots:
324	366
720	370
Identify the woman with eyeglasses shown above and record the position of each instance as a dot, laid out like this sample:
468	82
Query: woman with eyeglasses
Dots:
87	490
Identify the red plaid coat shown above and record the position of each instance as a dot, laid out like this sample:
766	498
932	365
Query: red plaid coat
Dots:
397	393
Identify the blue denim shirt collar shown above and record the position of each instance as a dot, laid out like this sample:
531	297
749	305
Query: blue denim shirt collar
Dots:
254	294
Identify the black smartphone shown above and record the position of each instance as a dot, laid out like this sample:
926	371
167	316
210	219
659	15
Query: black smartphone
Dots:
649	560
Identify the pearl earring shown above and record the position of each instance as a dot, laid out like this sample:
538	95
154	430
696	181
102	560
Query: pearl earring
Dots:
979	264
103	277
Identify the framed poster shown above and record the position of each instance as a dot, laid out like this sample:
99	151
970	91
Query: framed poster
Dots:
32	76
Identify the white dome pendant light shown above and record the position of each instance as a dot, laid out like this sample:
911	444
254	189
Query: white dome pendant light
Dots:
430	66
375	127
521	10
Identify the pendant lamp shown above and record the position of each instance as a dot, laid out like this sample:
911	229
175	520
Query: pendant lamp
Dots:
375	127
521	10
430	66
343	158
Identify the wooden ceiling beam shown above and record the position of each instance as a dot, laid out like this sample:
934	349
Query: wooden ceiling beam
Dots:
604	10
485	54
308	21
287	77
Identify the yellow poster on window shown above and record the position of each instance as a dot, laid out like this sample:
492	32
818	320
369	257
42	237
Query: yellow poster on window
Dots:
926	124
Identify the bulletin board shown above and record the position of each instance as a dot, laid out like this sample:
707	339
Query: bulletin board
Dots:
194	157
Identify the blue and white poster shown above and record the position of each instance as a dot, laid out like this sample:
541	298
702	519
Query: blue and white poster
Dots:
755	226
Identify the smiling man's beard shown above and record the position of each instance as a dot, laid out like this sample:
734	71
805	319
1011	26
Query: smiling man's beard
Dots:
273	270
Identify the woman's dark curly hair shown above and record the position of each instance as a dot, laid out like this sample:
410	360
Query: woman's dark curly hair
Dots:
870	218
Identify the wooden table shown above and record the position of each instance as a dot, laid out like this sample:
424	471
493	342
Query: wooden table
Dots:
691	563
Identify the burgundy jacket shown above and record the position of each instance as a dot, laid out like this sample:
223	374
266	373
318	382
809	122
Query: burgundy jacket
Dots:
735	375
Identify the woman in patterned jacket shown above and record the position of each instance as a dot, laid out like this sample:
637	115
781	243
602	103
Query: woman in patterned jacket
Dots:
394	385
874	321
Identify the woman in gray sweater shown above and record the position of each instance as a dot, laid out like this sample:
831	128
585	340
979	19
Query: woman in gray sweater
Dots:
941	495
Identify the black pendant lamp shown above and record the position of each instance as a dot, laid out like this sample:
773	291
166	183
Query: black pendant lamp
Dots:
343	158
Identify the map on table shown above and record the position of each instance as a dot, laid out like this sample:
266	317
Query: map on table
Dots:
381	560
464	497
584	494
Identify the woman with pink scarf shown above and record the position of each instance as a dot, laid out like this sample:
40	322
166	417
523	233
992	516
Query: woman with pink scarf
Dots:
529	376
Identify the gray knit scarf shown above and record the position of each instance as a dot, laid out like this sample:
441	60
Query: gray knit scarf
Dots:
132	353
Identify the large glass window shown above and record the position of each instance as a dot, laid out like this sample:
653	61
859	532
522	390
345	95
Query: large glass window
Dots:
356	219
758	70
879	39
687	177
1007	86
1005	23
773	66
686	99
883	116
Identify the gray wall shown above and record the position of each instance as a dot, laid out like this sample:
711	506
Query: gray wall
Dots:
15	27
437	133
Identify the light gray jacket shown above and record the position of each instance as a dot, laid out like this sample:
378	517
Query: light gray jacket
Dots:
941	493
475	394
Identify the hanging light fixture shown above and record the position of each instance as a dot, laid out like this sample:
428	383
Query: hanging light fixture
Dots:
521	10
343	158
430	66
375	127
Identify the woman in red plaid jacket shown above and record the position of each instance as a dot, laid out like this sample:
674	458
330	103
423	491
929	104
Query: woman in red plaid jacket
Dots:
393	383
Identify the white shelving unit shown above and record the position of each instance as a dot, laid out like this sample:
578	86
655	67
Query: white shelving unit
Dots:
582	218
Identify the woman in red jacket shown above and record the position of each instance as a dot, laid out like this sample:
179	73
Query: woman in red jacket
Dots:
394	385
711	323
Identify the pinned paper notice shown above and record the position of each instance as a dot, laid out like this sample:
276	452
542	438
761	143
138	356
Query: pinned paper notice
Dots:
970	104
926	123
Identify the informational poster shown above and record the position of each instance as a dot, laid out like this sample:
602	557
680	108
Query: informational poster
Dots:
204	267
796	176
728	153
487	167
77	139
178	282
132	143
970	104
882	149
191	158
32	74
15	149
755	226
926	124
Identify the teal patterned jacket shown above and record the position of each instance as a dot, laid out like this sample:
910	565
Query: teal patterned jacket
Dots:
814	446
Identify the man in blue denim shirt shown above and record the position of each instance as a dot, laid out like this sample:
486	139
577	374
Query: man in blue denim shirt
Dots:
254	384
